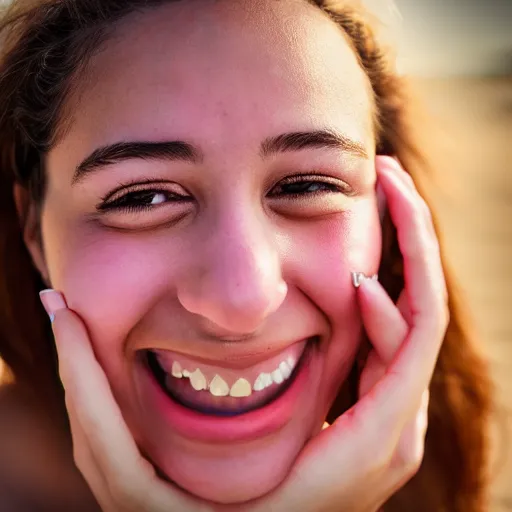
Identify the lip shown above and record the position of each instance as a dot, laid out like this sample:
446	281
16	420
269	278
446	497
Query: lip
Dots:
245	427
233	355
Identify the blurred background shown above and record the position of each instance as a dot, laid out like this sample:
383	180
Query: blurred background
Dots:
460	52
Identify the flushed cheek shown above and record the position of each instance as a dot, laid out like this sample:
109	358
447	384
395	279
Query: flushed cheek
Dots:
338	247
321	258
111	281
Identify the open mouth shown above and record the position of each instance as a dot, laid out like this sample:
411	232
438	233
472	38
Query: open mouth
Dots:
227	393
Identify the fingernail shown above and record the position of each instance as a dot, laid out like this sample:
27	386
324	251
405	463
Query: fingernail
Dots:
52	302
359	277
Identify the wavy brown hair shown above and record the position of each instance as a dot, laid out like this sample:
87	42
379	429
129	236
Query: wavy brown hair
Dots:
45	46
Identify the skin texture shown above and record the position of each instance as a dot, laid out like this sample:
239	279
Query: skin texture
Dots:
356	463
224	77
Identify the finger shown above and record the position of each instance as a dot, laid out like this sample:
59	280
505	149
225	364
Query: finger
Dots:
394	163
408	209
95	416
386	327
88	390
424	278
408	181
374	370
86	463
403	306
387	408
398	394
384	324
130	478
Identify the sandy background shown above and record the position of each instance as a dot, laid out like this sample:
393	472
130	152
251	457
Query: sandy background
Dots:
475	123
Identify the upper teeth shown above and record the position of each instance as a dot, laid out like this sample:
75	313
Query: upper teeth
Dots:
176	370
197	380
242	387
218	386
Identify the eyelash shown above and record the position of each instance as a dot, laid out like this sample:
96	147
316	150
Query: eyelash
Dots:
330	186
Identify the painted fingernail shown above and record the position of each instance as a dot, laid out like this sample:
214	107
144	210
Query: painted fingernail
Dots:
359	277
52	302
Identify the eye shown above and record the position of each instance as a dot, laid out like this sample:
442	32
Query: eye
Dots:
142	200
309	185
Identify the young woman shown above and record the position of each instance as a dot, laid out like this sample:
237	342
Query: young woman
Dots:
207	191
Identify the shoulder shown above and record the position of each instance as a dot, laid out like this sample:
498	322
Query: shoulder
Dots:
36	466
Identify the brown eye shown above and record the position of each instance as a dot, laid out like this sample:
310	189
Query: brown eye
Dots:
143	200
306	188
300	186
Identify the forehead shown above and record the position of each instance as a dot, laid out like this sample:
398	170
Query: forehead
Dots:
210	71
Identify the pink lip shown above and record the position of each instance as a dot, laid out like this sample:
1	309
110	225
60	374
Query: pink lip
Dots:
211	429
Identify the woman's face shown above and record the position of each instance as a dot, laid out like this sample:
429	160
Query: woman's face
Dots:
235	272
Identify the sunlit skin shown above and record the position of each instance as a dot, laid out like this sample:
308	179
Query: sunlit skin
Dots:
238	257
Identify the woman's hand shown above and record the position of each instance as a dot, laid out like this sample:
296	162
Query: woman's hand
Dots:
103	447
355	464
373	449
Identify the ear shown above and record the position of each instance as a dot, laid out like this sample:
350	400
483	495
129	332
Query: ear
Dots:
28	217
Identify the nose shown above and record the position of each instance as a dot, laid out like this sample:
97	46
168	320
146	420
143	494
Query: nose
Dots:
235	281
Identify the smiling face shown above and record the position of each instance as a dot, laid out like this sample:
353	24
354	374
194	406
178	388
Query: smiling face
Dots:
226	251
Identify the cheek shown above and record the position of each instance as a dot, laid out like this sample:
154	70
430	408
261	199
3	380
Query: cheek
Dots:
112	280
322	270
323	255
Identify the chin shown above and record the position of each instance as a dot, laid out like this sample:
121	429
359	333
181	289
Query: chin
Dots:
234	474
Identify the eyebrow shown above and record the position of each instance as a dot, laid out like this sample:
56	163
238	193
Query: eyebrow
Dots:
178	150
